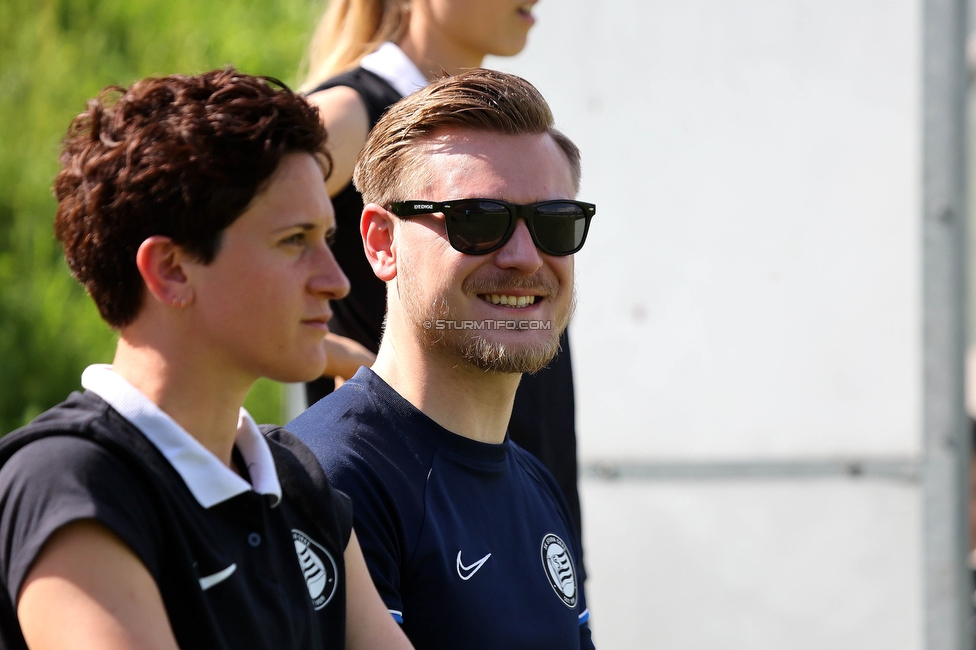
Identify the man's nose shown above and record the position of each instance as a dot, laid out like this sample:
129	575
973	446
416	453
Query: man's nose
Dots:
519	252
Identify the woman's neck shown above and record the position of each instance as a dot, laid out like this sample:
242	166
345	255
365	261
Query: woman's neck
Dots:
435	56
206	405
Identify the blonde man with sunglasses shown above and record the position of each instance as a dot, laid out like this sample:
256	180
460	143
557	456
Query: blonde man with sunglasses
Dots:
471	221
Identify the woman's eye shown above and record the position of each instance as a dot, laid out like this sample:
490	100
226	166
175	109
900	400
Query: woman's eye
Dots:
297	239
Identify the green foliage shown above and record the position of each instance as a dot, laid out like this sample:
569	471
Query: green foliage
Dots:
264	401
54	55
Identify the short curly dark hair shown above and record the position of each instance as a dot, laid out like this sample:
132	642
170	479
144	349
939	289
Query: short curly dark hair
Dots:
180	156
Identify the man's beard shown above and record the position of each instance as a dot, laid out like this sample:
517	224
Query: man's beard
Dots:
476	346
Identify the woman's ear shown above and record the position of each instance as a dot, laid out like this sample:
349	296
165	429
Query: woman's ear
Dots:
376	228
160	261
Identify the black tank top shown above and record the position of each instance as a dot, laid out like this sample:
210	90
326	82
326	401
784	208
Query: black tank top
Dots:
359	316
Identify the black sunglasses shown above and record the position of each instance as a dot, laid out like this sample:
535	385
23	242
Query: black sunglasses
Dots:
481	226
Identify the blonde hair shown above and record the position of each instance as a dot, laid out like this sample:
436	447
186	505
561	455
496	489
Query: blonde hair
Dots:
348	31
390	165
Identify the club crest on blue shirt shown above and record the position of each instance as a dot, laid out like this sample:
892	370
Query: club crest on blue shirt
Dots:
318	567
558	564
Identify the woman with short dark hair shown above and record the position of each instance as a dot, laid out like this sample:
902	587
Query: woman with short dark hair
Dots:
149	511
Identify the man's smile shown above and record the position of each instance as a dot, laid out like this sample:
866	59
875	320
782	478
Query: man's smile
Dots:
510	301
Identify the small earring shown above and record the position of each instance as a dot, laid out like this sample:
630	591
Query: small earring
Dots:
179	303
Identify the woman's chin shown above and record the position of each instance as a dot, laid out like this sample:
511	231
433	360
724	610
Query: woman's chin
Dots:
308	369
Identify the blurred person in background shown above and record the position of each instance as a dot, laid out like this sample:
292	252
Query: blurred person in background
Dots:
149	511
365	56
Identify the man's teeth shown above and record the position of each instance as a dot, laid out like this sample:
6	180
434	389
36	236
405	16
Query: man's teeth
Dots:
511	301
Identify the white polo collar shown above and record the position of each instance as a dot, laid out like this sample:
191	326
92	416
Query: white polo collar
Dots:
210	481
395	67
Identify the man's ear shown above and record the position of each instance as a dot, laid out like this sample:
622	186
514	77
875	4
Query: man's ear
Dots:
376	228
159	261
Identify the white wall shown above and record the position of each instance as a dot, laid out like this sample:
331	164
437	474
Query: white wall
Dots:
749	292
784	565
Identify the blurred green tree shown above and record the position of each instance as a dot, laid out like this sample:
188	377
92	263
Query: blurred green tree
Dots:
54	55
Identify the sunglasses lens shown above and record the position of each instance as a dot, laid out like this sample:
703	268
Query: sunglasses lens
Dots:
477	226
560	227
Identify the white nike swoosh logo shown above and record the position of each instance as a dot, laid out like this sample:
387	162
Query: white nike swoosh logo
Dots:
471	569
207	582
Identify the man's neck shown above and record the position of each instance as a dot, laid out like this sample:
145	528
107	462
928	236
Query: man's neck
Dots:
455	394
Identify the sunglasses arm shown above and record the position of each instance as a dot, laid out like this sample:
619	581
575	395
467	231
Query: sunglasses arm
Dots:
407	209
